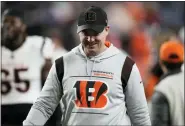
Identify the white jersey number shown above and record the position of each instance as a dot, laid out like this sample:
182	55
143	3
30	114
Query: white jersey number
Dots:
6	84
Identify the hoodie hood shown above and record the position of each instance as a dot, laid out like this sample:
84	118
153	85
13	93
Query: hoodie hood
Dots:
109	52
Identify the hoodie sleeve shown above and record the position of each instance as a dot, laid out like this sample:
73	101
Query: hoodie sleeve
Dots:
135	99
47	101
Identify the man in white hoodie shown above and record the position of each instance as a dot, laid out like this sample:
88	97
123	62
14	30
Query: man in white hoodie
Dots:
98	84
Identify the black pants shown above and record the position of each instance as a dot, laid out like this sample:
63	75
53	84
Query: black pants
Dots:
14	115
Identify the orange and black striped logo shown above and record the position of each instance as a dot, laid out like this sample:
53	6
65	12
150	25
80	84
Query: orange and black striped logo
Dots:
91	94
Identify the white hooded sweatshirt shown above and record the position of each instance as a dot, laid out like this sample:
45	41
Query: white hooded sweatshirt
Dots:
103	90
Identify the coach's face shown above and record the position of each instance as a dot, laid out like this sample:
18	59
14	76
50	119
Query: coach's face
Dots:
93	43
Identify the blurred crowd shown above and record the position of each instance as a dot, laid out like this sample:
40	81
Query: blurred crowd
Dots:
137	28
124	17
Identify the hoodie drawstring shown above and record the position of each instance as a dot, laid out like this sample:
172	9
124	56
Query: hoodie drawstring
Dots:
92	68
86	66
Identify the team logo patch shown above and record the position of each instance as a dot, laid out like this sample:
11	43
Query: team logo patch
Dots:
103	74
91	94
90	16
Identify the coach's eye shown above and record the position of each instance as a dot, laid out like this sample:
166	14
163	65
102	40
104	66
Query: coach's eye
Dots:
90	32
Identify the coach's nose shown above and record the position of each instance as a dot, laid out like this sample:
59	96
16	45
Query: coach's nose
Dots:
90	38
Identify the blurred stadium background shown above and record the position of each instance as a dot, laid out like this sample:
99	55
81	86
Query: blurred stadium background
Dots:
43	18
138	28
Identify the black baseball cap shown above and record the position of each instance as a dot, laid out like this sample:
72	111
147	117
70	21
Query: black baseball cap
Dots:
92	18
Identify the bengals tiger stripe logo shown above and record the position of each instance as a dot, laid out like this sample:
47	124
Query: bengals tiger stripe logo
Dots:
91	94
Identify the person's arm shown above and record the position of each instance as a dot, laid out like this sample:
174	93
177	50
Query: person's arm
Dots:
136	103
55	119
46	50
47	101
47	54
160	115
45	70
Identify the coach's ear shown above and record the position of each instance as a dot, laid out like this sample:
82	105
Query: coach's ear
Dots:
107	28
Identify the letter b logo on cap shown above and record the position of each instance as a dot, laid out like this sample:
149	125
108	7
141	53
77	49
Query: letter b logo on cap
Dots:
90	16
